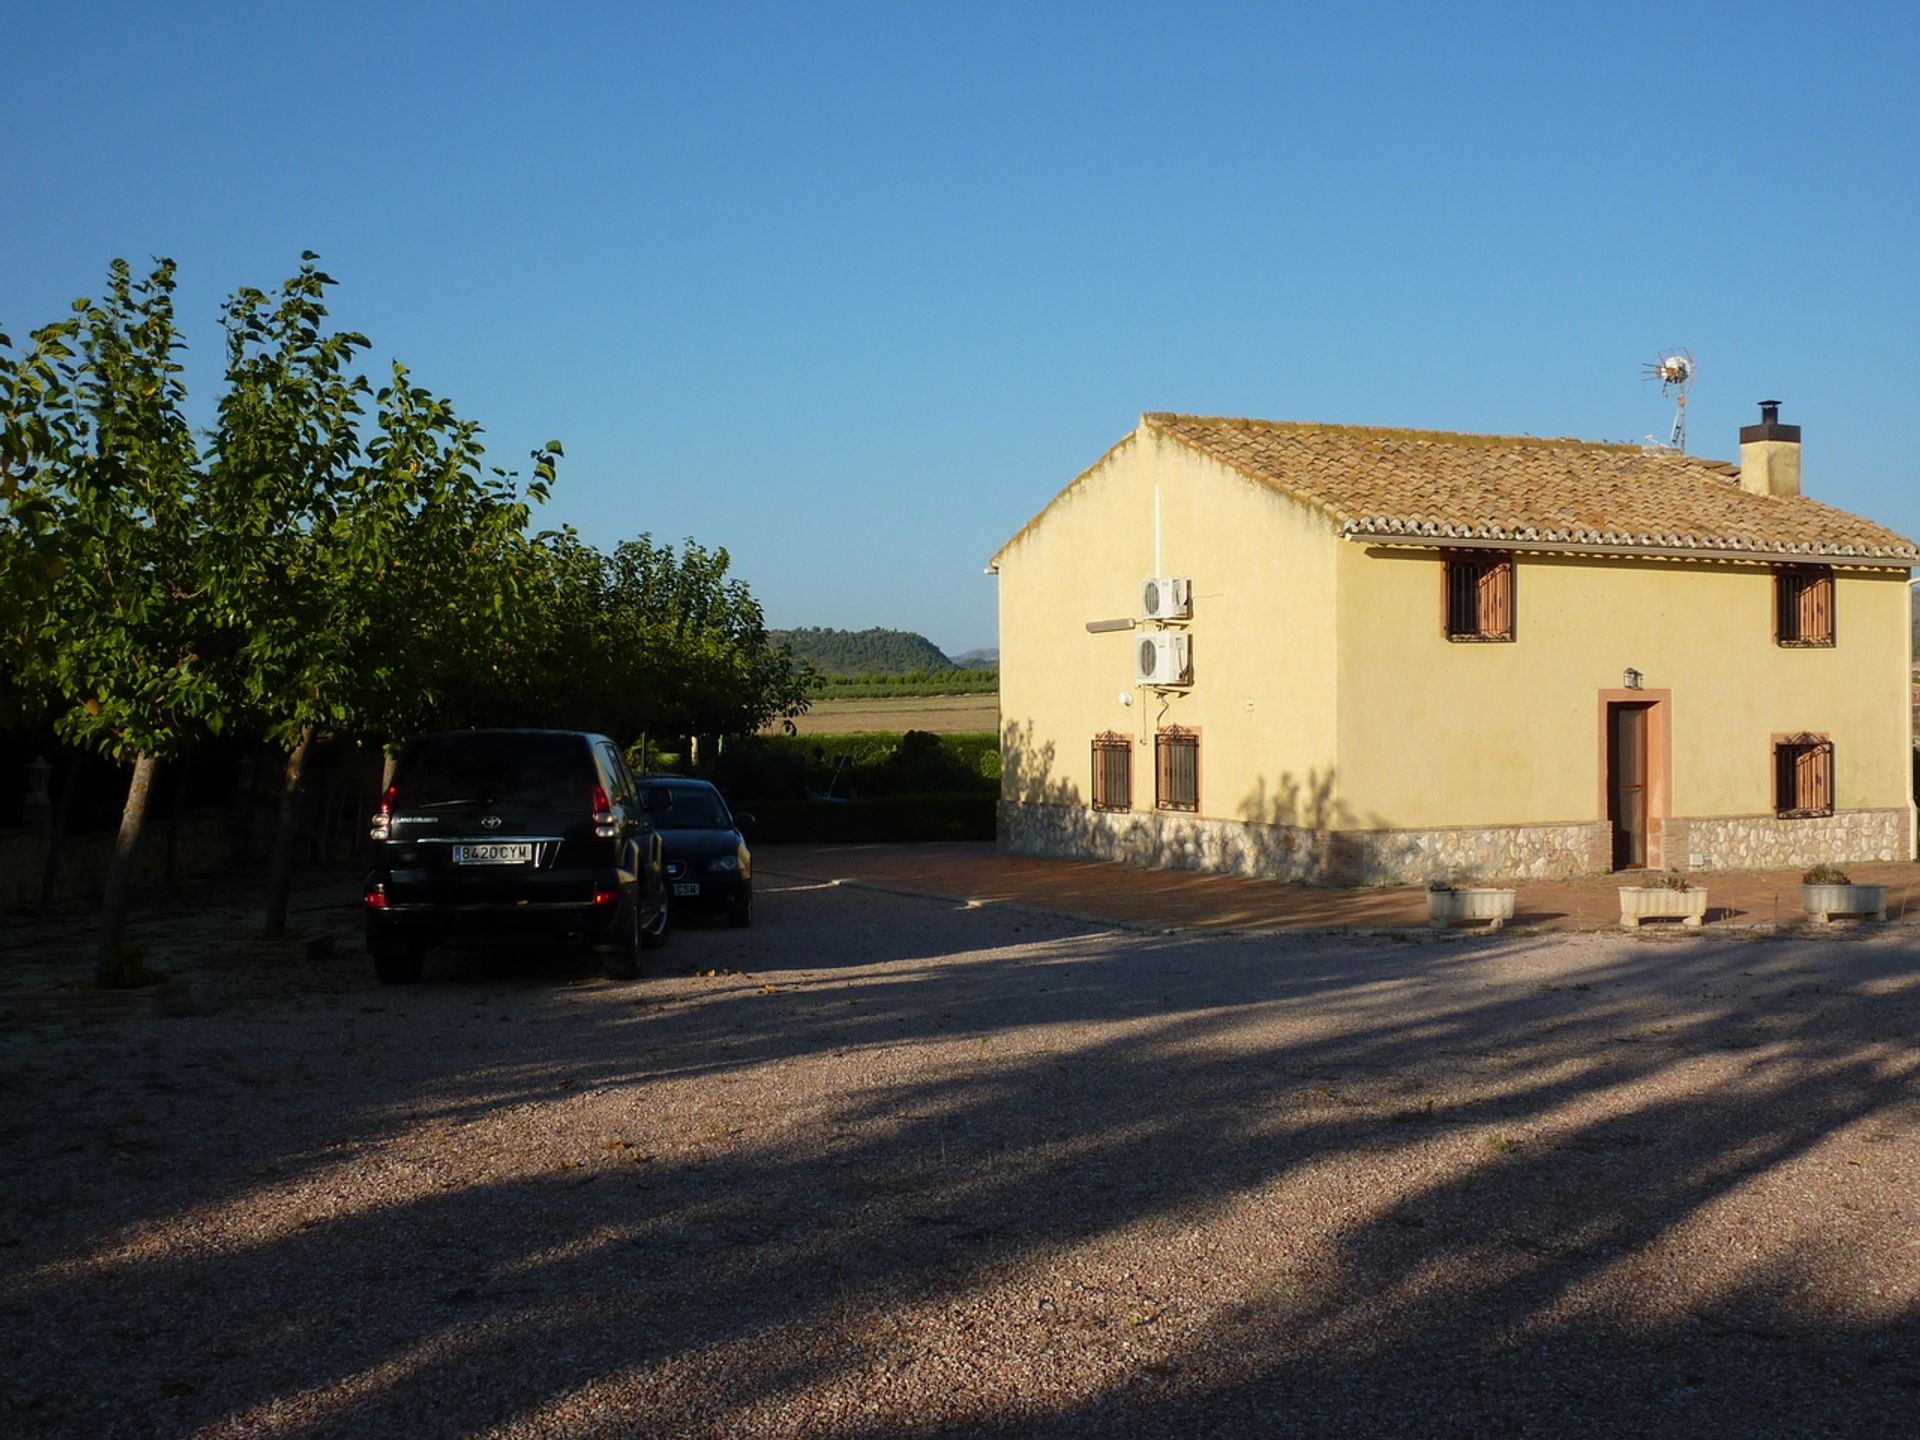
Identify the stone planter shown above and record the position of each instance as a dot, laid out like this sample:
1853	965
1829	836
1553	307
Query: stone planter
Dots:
1480	902
1823	902
1656	902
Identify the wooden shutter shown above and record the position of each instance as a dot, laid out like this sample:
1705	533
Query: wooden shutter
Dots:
1496	599
1816	778
1816	608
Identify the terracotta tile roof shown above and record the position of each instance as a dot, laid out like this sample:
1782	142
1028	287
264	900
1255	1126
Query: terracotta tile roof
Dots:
1569	494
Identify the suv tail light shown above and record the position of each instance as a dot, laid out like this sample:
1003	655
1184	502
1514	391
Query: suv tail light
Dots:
382	828
604	826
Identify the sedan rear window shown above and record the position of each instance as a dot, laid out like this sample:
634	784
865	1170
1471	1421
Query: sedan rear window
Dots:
693	810
547	771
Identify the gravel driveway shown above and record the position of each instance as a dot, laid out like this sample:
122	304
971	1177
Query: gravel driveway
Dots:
884	1167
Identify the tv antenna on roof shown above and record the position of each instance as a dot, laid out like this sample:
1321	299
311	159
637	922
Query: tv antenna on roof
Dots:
1675	371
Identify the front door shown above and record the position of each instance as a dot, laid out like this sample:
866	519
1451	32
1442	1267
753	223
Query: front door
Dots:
1627	783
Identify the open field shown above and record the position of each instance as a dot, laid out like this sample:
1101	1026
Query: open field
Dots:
940	714
885	1166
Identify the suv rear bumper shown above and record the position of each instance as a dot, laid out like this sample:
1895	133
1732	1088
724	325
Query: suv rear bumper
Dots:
431	924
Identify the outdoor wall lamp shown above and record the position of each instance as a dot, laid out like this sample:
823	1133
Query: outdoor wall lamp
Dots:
39	772
1631	680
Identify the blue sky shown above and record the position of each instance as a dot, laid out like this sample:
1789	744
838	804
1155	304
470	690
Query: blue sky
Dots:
852	290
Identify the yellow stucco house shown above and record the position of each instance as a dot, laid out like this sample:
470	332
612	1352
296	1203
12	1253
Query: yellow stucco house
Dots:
1358	655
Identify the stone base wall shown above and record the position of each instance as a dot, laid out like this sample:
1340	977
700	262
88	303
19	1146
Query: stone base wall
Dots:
1467	852
1169	840
1164	840
1762	842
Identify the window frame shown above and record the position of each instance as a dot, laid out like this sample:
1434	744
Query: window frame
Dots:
1165	741
1109	743
1493	584
1792	584
1789	753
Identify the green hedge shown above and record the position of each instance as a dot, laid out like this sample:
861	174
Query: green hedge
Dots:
871	687
891	819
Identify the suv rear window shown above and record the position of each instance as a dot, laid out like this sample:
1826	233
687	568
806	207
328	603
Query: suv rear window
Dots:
548	771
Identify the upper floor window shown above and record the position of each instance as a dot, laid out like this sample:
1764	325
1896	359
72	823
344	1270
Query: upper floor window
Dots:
1176	778
1802	775
1112	772
1479	595
1803	605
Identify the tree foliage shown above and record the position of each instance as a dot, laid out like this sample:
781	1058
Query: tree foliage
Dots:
340	561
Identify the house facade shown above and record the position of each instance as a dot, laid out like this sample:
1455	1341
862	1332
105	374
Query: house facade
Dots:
1373	655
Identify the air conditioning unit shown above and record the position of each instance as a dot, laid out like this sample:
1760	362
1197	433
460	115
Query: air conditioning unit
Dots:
1163	659
1164	597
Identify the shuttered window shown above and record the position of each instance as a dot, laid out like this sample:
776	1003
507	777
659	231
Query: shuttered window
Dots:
1803	605
1112	772
1803	775
1479	596
1176	781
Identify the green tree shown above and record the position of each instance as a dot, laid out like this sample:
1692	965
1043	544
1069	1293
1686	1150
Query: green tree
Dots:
366	574
39	435
128	648
695	644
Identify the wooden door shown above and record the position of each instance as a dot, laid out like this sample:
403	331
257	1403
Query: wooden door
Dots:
1627	784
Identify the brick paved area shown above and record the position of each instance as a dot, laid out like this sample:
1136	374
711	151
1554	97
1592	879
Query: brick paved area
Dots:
1186	900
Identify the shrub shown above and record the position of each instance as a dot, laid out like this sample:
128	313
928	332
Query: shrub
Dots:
1825	874
1669	879
889	820
126	969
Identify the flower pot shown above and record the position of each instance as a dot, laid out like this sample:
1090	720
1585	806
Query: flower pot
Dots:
1823	902
1481	902
1656	902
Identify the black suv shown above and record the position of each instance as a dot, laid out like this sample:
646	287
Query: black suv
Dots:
520	834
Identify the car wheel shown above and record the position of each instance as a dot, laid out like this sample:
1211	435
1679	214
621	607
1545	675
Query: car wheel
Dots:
740	911
621	958
653	936
398	964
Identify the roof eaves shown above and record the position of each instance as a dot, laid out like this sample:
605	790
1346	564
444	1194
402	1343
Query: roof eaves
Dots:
1423	533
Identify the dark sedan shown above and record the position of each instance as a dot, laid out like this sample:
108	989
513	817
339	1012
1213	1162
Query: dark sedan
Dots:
708	864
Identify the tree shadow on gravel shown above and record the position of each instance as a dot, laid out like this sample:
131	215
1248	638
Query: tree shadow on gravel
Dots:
856	1181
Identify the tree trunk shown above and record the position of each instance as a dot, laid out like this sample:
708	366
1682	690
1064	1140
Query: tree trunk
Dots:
280	880
388	759
113	909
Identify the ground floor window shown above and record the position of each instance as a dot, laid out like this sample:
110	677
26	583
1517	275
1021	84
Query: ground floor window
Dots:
1176	754
1802	775
1112	772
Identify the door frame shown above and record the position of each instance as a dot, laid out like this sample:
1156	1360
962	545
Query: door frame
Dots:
1659	708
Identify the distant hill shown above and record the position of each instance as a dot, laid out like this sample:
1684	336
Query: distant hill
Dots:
865	652
988	659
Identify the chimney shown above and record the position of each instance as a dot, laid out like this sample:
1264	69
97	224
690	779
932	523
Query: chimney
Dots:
1770	454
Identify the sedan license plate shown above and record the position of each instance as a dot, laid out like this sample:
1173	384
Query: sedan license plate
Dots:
494	852
687	887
